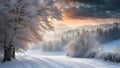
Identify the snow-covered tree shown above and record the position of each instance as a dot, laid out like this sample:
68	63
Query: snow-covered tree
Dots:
25	21
81	44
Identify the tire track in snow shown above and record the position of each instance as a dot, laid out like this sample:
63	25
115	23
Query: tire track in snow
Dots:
25	63
80	63
70	64
60	65
88	64
33	63
44	63
85	64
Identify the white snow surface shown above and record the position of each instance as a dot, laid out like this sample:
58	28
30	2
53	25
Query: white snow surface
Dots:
38	59
56	61
110	46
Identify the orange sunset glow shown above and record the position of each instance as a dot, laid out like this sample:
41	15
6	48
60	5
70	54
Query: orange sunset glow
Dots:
76	16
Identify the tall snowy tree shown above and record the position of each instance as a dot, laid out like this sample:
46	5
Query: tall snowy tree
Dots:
81	45
25	21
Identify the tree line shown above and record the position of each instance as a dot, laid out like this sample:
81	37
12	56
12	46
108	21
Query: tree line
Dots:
87	40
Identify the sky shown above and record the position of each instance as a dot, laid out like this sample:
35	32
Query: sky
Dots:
87	12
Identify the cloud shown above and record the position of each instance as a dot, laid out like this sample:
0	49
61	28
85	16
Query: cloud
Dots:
86	1
104	4
93	9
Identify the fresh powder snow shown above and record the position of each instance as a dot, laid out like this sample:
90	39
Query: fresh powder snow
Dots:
50	61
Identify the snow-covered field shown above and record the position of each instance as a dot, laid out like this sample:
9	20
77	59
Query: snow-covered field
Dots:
27	61
111	46
38	59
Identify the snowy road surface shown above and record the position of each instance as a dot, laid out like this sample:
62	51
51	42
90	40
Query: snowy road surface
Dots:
57	62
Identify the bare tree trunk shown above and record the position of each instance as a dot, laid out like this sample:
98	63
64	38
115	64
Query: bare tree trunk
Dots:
13	53
7	50
7	54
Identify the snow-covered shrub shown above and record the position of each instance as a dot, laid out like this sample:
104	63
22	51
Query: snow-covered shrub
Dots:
91	55
110	57
105	54
81	45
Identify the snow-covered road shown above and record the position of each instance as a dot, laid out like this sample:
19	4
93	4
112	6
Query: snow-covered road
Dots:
57	62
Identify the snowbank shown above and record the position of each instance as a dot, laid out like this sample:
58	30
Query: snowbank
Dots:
27	61
109	51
